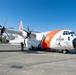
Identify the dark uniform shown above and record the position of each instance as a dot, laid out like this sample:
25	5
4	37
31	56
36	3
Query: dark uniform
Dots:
22	46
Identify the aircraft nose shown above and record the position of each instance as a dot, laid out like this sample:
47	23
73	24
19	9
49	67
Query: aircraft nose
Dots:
74	43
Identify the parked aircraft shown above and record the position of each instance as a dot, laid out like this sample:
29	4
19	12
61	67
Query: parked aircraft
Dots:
63	40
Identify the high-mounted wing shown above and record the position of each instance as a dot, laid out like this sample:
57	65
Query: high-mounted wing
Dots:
24	33
13	31
5	30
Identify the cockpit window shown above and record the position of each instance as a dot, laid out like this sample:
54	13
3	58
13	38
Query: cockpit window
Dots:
68	33
72	33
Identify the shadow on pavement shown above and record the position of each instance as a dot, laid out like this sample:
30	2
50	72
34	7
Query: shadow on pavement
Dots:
24	51
36	51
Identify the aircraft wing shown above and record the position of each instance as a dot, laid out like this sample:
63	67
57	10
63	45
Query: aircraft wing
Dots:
33	35
13	31
23	33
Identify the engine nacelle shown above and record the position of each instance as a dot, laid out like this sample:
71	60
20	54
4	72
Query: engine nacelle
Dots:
11	37
24	34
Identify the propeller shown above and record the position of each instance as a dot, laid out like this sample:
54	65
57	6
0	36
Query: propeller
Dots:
28	32
2	28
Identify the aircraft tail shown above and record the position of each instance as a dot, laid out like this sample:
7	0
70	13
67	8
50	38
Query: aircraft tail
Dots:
21	26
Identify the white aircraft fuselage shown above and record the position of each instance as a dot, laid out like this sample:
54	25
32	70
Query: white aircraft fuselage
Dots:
57	39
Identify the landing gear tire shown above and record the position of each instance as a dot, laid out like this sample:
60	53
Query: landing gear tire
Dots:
65	51
32	48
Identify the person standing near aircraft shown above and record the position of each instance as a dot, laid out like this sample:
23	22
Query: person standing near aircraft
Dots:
22	46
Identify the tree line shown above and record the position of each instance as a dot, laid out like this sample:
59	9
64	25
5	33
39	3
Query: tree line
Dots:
3	39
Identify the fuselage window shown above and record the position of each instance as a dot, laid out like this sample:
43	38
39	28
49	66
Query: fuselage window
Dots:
68	38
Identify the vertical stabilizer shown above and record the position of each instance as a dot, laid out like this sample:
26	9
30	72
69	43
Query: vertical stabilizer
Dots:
21	26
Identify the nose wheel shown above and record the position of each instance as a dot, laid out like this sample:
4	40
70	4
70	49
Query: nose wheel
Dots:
65	51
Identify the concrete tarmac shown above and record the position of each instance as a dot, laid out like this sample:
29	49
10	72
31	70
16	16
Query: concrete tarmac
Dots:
15	62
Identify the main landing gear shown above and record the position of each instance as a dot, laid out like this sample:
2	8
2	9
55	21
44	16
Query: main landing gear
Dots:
65	51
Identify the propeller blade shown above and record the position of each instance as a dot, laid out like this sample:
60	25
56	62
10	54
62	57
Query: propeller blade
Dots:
7	34
25	31
28	29
31	30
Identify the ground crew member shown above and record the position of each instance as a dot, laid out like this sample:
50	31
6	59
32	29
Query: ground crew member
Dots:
22	46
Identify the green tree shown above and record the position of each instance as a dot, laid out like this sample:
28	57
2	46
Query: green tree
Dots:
4	40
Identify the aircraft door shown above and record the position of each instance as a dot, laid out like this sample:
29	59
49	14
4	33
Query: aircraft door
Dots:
68	43
64	42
